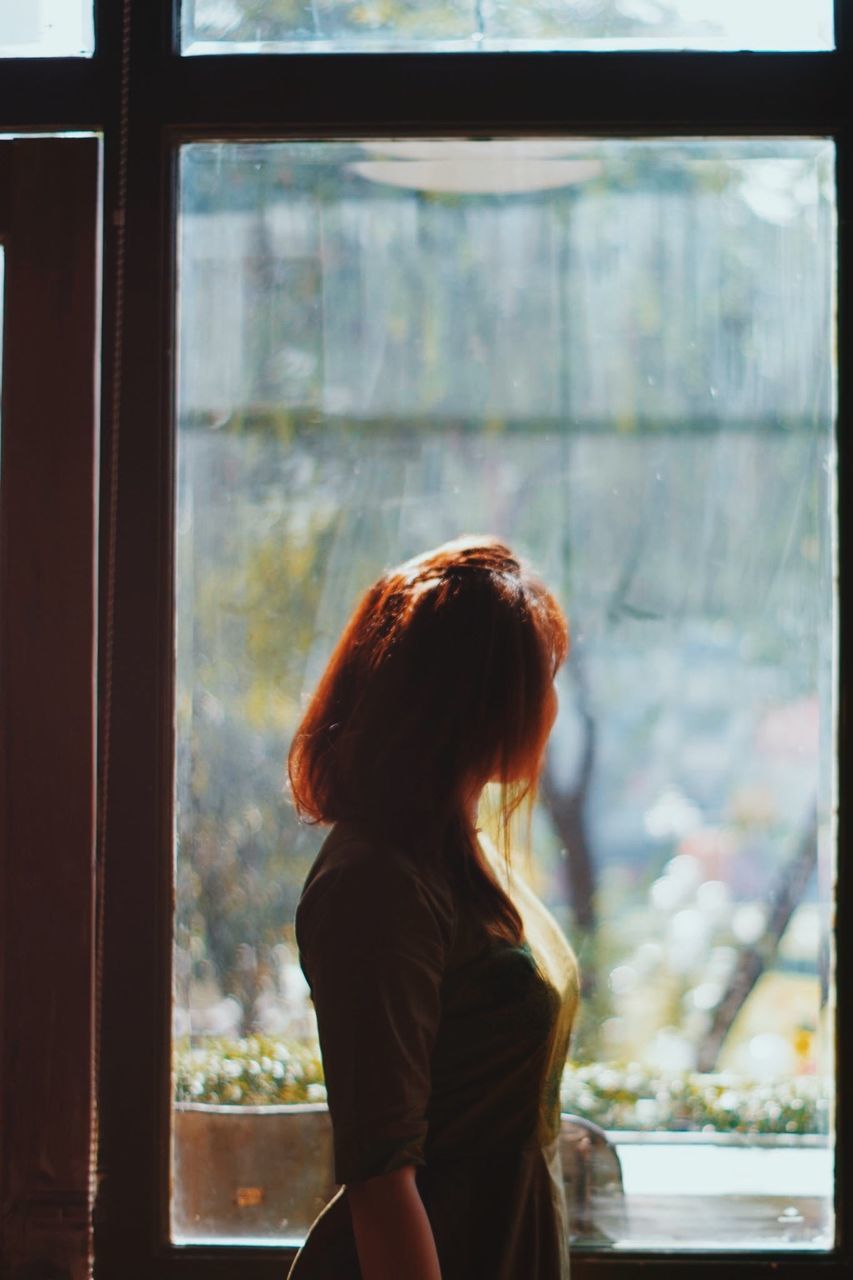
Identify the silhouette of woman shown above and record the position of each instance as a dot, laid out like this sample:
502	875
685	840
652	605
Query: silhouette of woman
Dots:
445	992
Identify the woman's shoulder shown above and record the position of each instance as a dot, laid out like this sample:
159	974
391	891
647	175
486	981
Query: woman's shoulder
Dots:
355	854
359	872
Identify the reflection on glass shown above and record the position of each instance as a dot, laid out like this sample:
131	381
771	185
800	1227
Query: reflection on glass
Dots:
224	26
46	29
618	355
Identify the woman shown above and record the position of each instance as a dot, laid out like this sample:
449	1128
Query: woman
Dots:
444	991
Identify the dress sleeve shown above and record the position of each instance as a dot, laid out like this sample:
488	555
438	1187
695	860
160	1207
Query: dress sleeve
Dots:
373	943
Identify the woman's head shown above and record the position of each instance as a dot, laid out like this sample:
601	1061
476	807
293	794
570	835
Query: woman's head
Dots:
441	681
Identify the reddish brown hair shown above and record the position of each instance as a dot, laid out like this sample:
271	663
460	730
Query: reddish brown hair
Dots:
438	684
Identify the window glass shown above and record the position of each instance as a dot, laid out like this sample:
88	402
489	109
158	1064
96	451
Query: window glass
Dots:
46	29
619	356
228	26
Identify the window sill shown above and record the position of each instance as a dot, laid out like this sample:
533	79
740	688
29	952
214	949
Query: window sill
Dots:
763	1192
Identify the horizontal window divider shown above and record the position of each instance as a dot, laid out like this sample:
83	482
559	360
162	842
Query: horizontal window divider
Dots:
623	93
52	94
626	93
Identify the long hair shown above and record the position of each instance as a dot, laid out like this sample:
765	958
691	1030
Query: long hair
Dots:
438	684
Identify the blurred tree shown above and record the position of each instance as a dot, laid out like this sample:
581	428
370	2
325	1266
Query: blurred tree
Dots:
754	959
566	803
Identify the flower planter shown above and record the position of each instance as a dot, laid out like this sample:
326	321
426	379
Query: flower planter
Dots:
264	1173
250	1171
243	1172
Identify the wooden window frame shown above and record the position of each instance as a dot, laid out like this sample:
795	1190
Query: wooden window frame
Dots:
49	229
147	100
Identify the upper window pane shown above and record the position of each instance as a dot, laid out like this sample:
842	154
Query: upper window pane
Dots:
46	29
271	26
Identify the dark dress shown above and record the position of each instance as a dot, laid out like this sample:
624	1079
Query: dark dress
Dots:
443	1049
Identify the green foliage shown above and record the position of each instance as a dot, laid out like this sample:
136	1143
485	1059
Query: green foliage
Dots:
238	865
629	1096
617	1096
254	1071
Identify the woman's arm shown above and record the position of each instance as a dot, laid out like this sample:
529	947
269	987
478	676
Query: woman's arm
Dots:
393	1234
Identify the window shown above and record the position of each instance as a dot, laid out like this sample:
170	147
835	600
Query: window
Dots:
618	355
686	195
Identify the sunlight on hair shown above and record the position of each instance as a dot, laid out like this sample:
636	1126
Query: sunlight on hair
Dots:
507	820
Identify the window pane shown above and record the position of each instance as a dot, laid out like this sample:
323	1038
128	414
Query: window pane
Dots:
229	26
46	29
618	355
